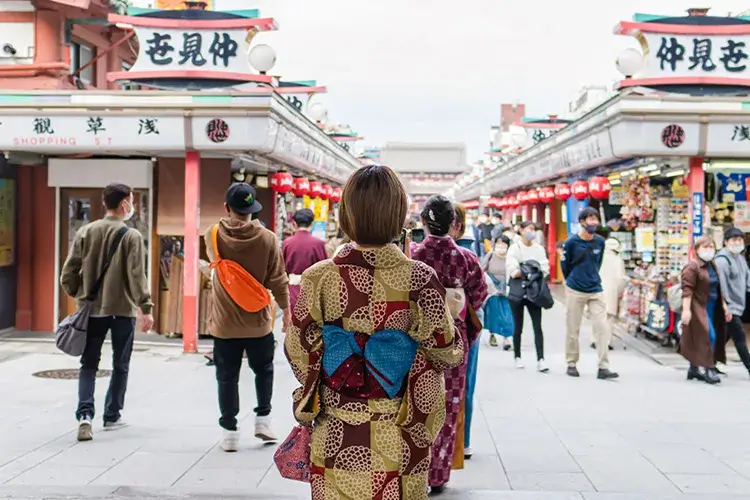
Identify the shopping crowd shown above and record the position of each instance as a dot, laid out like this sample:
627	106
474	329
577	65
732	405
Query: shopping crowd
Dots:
381	332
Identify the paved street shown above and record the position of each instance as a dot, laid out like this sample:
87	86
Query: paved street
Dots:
650	435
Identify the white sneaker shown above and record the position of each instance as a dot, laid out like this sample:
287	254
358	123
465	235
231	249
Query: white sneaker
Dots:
85	431
519	363
230	441
263	429
541	366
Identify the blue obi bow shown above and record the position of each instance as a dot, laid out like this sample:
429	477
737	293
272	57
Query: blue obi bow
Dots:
388	355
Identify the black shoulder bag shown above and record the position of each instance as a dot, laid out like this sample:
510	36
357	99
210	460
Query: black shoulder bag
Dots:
70	335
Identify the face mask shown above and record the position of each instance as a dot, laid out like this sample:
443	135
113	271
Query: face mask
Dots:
495	221
529	236
591	228
736	249
501	250
130	213
707	255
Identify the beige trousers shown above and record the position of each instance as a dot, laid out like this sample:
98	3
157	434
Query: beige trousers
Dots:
575	303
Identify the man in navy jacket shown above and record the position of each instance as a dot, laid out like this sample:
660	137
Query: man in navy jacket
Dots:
581	260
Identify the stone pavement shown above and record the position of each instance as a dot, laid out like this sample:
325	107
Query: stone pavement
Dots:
650	435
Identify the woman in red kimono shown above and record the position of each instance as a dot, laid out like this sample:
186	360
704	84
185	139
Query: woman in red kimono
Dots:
461	274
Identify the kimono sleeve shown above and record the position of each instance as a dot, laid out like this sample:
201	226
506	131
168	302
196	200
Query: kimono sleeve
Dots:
303	347
475	286
436	332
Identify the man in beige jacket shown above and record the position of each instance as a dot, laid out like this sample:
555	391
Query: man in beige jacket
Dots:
242	239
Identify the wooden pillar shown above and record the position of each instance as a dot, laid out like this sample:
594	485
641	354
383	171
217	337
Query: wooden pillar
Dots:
696	184
192	239
552	240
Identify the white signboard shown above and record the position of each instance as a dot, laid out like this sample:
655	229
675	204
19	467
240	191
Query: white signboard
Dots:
714	56
655	138
235	133
729	139
91	133
204	50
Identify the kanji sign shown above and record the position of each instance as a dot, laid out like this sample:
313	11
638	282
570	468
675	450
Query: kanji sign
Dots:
212	50
697	215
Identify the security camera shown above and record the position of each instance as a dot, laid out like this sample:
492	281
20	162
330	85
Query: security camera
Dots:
9	49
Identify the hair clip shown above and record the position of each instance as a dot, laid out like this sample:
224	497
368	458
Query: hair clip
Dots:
432	215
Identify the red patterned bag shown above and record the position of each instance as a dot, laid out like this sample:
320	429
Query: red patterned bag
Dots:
292	458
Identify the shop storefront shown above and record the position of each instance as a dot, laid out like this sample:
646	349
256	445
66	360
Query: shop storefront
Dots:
166	146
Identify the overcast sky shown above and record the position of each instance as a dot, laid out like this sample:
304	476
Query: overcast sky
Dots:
432	71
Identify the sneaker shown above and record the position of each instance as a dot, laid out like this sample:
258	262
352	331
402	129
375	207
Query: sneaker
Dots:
573	372
230	440
519	363
85	431
468	452
541	366
507	344
263	429
115	426
493	340
606	374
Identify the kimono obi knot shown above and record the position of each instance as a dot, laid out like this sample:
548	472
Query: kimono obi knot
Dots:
387	355
455	298
295	279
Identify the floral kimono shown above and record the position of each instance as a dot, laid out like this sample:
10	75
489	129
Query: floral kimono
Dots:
456	269
370	339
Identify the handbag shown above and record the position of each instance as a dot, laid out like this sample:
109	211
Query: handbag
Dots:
658	318
292	458
70	335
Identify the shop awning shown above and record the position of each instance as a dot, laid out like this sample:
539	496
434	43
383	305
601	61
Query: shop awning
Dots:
630	125
257	126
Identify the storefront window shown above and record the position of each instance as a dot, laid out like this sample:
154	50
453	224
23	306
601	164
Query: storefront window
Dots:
80	56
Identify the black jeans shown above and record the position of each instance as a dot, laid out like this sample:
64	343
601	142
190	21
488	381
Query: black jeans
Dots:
123	331
536	321
737	333
228	360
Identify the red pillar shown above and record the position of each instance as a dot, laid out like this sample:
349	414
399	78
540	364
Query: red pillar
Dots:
192	238
696	184
552	241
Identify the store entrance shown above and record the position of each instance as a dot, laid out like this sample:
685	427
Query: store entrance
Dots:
78	207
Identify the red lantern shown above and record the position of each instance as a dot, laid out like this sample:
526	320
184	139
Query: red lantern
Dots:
562	192
301	186
316	189
513	201
580	190
282	182
502	202
599	187
325	191
522	198
532	196
335	195
546	195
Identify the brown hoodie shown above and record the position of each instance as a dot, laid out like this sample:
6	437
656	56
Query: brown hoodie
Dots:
257	250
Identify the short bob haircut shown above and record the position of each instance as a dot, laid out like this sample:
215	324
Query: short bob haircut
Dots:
701	241
373	206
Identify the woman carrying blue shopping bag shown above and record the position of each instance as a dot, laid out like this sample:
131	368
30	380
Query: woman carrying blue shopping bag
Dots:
498	318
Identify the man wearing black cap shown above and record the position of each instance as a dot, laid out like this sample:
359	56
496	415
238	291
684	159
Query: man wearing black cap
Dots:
242	239
301	251
734	277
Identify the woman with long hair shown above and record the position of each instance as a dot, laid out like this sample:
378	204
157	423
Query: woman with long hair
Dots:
461	273
370	338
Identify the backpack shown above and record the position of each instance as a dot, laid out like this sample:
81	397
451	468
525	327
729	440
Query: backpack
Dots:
246	291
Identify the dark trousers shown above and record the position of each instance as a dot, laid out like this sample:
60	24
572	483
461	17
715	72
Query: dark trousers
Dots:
228	360
123	331
536	321
737	333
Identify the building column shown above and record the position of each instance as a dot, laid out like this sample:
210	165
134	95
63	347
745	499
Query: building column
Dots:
696	181
552	240
192	252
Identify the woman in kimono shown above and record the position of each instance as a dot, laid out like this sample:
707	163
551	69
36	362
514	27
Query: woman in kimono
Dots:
370	339
460	272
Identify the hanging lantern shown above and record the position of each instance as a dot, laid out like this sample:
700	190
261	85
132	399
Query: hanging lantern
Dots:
599	187
532	197
512	201
546	195
316	189
562	192
502	202
301	186
495	203
335	195
522	198
580	190
325	191
282	182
